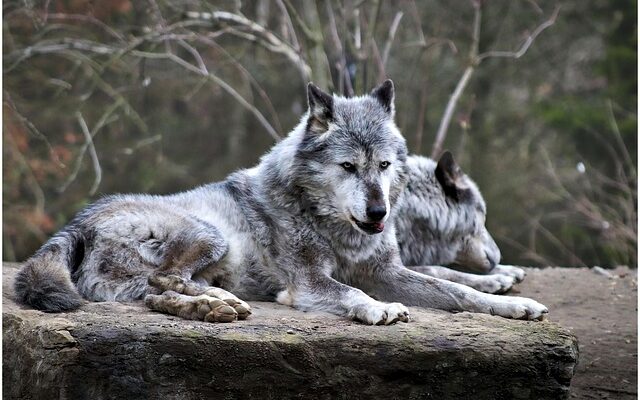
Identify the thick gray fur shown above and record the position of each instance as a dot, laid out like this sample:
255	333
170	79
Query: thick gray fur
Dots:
297	228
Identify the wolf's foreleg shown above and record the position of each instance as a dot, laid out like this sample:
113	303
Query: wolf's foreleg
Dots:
397	283
494	283
323	293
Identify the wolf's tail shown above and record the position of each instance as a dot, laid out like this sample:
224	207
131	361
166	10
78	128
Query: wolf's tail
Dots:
44	282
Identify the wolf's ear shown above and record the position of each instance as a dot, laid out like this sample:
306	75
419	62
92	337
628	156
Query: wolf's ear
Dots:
320	109
385	95
449	174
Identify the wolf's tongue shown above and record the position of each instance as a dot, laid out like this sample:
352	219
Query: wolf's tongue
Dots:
379	226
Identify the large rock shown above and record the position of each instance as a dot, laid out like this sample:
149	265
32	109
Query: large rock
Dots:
112	350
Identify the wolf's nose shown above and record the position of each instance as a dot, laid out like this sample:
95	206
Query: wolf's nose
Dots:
376	213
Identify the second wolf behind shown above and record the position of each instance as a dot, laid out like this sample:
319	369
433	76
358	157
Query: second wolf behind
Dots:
311	226
440	221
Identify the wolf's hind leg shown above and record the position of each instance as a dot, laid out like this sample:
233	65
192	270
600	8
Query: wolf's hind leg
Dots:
495	283
188	288
196	248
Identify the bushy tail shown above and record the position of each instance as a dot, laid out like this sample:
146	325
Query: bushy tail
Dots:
44	282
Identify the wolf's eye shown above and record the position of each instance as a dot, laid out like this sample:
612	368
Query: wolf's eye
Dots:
385	164
348	166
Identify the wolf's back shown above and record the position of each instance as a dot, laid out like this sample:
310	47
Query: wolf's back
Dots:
44	282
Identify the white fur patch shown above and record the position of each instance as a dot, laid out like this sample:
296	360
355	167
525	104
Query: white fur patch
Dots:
284	298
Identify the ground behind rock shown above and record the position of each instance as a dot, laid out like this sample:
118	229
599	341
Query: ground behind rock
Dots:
601	309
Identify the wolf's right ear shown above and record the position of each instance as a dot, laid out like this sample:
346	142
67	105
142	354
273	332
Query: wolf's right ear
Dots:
449	174
385	95
320	109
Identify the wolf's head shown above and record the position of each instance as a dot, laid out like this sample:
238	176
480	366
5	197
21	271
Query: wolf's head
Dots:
441	218
350	162
476	249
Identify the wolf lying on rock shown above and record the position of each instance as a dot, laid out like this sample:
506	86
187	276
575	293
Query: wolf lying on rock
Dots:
313	226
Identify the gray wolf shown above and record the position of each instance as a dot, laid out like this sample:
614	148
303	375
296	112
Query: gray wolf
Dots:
311	226
440	220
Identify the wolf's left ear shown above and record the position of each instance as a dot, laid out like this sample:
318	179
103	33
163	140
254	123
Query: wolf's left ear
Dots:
449	174
320	109
385	95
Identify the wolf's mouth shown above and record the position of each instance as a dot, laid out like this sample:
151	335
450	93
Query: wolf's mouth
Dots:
370	227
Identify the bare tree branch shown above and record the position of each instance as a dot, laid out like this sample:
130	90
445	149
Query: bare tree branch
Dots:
262	35
527	42
92	153
390	37
474	61
308	32
462	83
341	66
224	85
104	120
261	92
289	24
86	18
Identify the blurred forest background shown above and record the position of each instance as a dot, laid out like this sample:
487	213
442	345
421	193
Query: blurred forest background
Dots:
537	99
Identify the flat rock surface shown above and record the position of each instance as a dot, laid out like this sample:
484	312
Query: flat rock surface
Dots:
601	309
112	350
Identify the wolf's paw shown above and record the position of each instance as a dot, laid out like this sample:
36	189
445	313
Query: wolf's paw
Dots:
381	313
211	309
509	270
519	308
495	284
174	283
204	307
242	309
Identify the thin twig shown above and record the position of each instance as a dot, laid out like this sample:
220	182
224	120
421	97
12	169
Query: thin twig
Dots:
341	65
262	35
308	32
196	56
462	83
226	87
619	141
87	18
92	153
33	129
527	43
289	23
256	85
104	120
31	180
390	37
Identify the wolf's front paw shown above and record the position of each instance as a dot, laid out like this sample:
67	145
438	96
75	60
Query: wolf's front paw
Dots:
519	308
495	284
381	313
517	273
